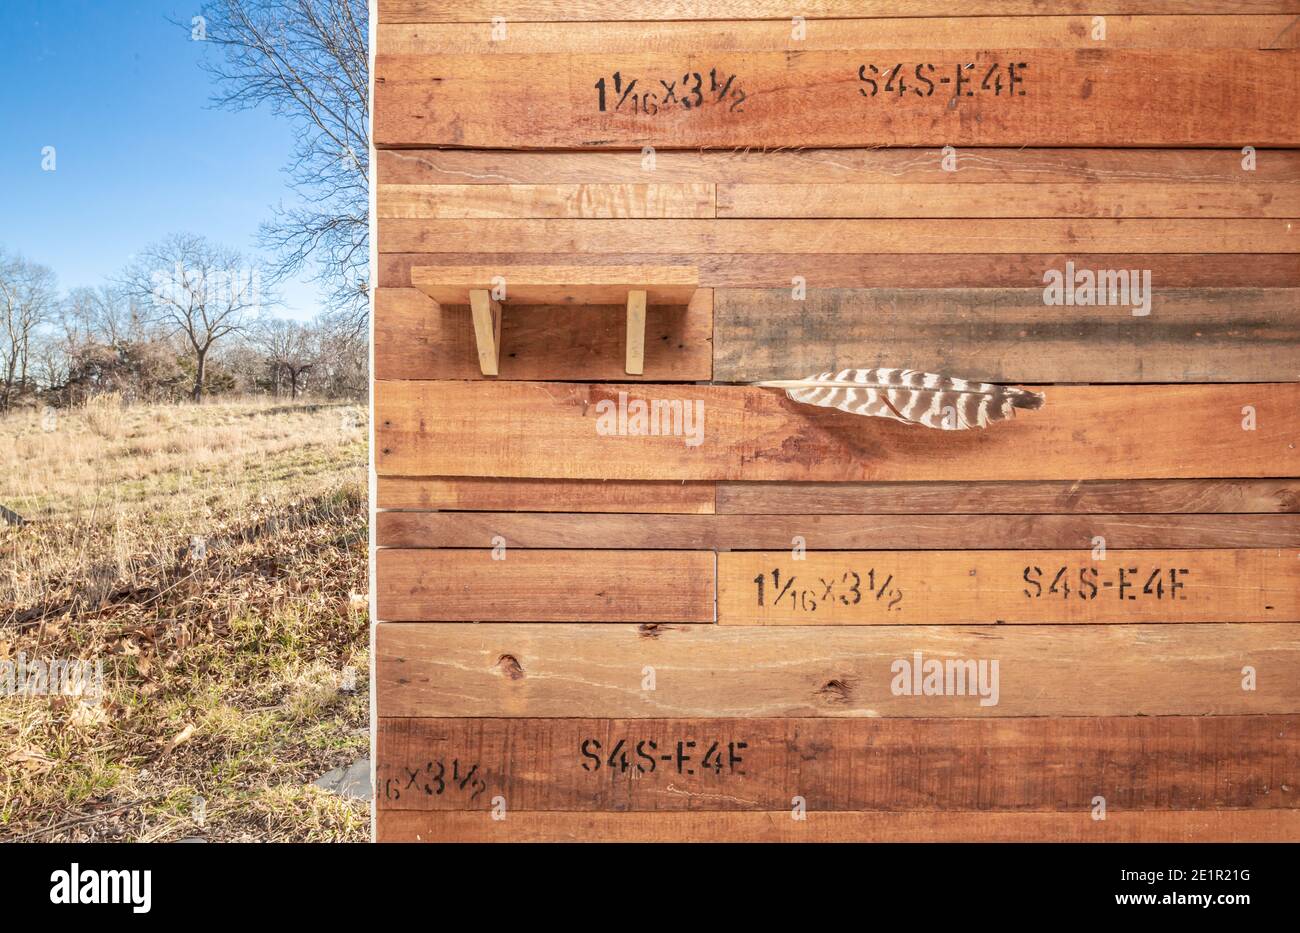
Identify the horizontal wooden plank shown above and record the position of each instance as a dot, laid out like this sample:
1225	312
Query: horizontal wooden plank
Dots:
1136	763
1010	201
551	430
542	284
835	532
1079	497
516	585
844	236
1031	97
1026	587
1139	168
542	495
416	338
588	200
1020	32
484	11
1013	335
848	826
912	270
565	671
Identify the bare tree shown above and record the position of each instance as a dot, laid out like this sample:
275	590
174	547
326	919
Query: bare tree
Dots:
342	358
106	315
291	350
195	290
28	300
308	60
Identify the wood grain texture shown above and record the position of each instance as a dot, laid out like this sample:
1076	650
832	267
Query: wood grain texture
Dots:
1086	97
1137	168
1037	764
566	671
624	553
542	284
542	495
851	826
844	236
483	11
1013	200
1078	497
1018	587
835	532
544	586
1020	32
590	200
1011	335
416	338
912	270
549	430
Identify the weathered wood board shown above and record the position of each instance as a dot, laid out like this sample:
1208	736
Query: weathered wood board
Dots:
415	338
808	235
725	671
541	495
1147	334
779	34
868	631
855	825
955	587
1114	497
1137	763
905	270
551	430
1140	170
1175	496
502	584
631	200
869	96
485	11
727	532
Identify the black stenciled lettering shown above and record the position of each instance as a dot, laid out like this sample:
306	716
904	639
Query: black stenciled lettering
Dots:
929	85
1033	576
719	92
862	76
855	589
1015	79
961	80
696	91
968	79
1088	583
1176	584
623	92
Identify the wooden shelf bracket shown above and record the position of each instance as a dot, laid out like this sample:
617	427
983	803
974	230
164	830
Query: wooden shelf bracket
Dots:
636	287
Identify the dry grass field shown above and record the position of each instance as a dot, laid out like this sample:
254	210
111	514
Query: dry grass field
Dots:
212	558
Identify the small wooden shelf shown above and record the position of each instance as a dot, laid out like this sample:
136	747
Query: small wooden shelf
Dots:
487	288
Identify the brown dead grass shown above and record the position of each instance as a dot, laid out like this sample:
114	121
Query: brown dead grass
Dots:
211	556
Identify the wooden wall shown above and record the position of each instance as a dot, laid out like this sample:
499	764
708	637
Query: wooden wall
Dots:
659	637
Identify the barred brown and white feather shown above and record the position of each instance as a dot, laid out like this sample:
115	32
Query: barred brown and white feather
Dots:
930	399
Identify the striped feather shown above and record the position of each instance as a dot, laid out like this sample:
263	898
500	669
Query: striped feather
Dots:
928	399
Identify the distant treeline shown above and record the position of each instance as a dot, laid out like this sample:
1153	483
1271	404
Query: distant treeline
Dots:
186	320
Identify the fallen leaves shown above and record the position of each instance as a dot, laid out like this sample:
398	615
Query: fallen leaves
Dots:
180	738
31	760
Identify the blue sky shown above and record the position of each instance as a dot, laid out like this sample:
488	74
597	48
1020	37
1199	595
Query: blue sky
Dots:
118	91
